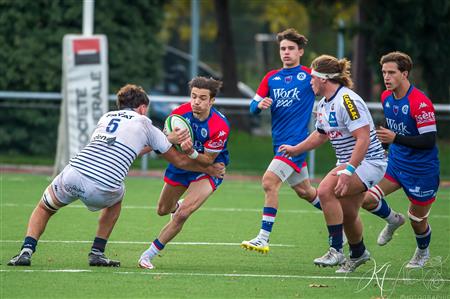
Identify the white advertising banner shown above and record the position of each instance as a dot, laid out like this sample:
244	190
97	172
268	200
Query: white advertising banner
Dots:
85	93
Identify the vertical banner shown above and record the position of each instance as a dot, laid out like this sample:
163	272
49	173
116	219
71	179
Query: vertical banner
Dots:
84	91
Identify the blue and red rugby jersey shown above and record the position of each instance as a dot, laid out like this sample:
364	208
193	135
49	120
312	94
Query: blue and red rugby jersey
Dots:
293	101
410	116
210	135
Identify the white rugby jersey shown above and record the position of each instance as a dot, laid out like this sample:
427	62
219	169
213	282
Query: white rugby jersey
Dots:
342	114
115	144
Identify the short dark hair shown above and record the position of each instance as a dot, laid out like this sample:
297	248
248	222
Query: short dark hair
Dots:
403	61
211	84
292	35
131	96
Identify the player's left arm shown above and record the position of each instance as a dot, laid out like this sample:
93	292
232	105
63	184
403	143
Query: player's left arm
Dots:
422	111
213	146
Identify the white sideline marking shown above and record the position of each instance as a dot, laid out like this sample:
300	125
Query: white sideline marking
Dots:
142	242
146	272
206	209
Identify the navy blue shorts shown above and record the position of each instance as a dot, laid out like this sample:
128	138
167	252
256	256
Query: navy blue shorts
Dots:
185	179
421	190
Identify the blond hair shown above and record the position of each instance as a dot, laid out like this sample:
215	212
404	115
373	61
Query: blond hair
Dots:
331	65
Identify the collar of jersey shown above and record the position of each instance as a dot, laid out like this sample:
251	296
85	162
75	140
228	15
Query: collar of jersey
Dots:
292	69
333	96
406	95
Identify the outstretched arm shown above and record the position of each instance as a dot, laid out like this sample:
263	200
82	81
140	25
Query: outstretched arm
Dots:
314	140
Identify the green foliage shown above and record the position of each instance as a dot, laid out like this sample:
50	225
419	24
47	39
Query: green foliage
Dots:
419	28
31	34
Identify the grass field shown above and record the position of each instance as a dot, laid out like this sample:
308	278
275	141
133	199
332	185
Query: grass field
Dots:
205	260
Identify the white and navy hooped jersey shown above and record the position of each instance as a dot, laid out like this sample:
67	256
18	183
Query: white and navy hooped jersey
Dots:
339	117
115	144
210	135
293	101
410	116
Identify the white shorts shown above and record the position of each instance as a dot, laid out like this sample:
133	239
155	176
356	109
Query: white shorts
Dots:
370	172
287	174
71	185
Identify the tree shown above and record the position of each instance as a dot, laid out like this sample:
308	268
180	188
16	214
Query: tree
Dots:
227	52
31	34
419	28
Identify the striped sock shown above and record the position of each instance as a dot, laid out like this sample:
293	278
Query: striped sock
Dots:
155	248
268	219
423	240
382	210
30	244
316	203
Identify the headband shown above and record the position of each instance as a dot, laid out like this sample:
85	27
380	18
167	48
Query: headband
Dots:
323	75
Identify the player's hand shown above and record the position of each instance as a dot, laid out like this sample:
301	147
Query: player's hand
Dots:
187	146
385	135
265	103
177	136
288	150
342	184
217	170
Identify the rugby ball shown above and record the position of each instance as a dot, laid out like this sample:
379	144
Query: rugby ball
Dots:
177	121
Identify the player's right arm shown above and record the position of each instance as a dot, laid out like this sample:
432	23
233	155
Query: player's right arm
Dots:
182	161
261	101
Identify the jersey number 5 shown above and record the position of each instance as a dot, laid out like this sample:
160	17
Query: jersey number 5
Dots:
113	125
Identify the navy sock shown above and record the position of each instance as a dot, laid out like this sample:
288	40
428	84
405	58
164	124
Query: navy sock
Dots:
99	245
356	250
268	219
423	240
29	243
335	236
382	210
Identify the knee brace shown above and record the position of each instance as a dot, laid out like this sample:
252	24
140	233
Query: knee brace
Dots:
376	192
415	218
48	201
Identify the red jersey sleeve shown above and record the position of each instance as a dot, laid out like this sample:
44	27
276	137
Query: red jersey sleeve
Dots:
422	111
219	135
263	88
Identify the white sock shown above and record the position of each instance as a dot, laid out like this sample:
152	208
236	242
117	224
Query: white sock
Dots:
263	234
392	217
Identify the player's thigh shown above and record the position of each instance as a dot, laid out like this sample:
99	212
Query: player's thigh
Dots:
169	196
388	186
197	193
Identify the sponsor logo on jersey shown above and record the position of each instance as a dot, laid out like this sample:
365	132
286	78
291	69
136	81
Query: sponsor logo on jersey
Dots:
387	105
301	76
399	128
417	192
405	109
277	78
288	79
285	98
198	146
216	144
395	108
222	133
332	119
204	132
334	134
423	105
351	107
425	117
